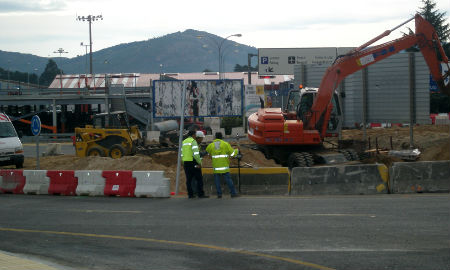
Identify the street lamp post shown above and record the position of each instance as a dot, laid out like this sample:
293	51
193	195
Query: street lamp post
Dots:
160	71
36	70
219	48
60	51
9	63
224	52
28	75
85	54
90	19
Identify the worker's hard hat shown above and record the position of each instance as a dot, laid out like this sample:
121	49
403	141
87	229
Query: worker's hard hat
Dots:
199	134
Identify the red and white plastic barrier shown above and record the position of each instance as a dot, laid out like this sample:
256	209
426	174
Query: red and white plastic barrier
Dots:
92	183
119	183
12	181
62	182
36	182
151	184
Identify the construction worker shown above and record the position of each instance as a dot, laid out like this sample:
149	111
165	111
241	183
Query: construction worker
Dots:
192	163
220	152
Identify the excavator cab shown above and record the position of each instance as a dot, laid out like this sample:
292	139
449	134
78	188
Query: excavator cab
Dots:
336	119
299	105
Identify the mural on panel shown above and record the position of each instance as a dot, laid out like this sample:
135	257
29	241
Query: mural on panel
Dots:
204	98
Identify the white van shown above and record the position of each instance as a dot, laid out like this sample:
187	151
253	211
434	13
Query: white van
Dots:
11	149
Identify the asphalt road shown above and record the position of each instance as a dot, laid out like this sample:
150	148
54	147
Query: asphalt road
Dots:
322	232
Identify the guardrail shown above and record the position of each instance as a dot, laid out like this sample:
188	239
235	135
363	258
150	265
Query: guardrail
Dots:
45	137
69	91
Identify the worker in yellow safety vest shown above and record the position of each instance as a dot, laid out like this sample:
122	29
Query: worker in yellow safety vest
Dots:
220	152
192	163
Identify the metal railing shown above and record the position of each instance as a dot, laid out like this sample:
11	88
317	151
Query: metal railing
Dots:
70	91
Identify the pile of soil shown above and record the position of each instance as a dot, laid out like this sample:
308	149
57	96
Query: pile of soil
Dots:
163	161
432	141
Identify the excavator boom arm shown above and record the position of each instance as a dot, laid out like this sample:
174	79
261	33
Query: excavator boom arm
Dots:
426	39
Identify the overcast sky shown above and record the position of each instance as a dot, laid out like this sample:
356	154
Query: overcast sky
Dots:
40	27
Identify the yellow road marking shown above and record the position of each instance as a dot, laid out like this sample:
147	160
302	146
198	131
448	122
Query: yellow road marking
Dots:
344	215
105	211
312	265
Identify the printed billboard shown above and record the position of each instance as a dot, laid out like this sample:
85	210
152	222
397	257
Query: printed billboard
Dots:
204	98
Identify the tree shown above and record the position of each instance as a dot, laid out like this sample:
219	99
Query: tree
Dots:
437	19
439	103
49	74
18	76
239	68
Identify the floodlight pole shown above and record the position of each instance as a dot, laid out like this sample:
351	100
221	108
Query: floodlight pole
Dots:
60	51
90	19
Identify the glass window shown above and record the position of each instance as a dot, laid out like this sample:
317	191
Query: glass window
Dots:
7	130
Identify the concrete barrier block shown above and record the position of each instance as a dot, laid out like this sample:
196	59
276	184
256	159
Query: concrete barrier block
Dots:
53	149
253	181
151	184
37	182
442	120
208	138
90	183
337	180
214	130
212	122
153	136
424	176
237	130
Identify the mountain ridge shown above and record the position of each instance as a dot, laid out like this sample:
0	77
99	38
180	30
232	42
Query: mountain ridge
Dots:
176	52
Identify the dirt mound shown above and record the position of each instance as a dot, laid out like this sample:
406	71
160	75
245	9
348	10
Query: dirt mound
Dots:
163	161
432	141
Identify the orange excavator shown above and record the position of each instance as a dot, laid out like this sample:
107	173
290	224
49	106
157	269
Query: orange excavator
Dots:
291	137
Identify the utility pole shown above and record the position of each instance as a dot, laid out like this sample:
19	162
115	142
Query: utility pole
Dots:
250	55
90	19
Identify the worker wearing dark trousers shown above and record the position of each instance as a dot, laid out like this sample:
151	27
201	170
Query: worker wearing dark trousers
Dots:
192	163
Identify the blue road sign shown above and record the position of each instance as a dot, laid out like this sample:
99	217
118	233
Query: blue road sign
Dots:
264	60
36	125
